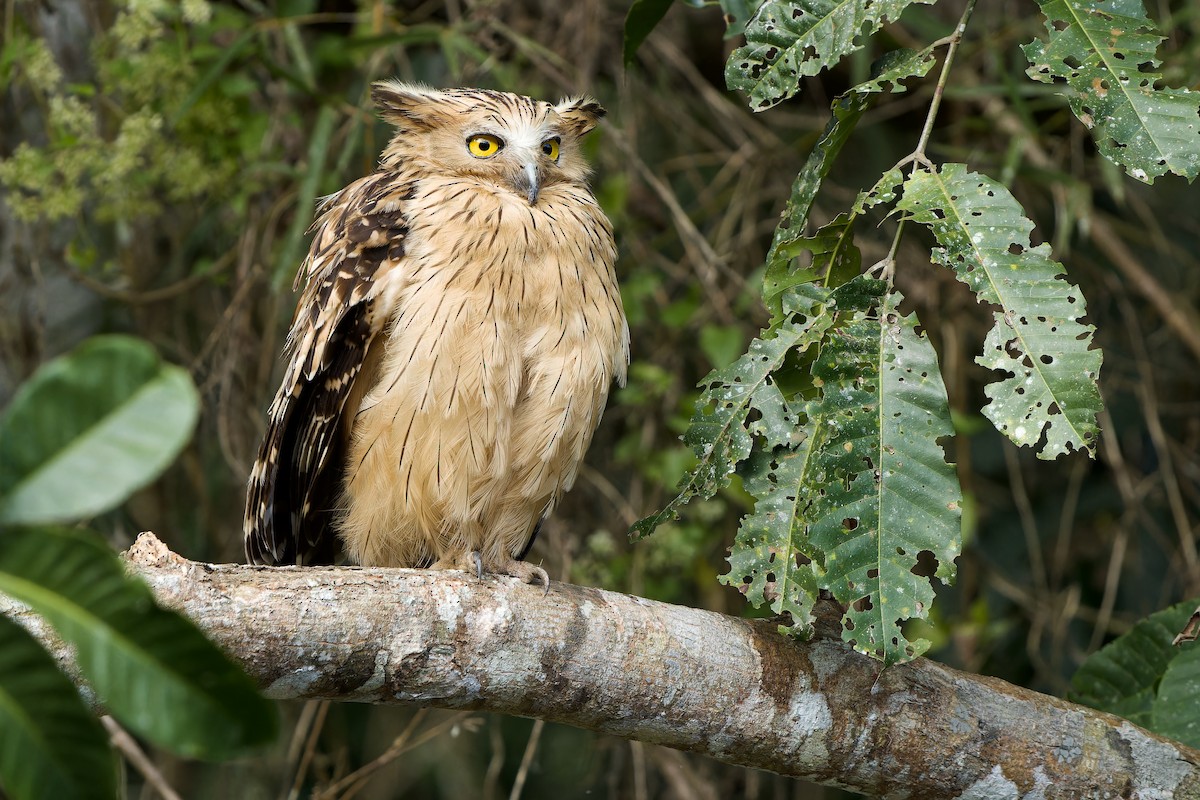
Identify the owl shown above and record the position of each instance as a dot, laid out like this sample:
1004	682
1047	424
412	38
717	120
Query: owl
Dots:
453	348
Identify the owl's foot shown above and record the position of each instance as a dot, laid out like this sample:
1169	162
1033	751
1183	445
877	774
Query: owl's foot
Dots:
473	562
529	573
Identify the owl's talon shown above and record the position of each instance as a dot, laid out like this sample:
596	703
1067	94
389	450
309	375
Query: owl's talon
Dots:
529	573
541	573
477	559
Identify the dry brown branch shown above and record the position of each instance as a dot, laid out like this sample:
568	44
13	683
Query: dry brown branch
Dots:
134	754
695	680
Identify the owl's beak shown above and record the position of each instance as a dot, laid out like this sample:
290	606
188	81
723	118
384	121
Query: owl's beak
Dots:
529	181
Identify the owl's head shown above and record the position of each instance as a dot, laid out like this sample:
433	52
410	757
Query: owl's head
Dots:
513	142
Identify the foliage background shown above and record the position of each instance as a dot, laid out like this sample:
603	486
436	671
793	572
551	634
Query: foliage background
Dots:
159	164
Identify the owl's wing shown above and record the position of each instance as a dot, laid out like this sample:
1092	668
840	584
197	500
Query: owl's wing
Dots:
296	480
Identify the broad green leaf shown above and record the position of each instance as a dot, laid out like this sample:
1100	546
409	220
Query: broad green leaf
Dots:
153	668
882	491
1105	51
1177	708
787	40
1051	391
721	431
90	428
643	17
51	745
1124	676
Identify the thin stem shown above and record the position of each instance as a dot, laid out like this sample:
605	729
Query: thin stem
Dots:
526	760
940	89
138	758
887	267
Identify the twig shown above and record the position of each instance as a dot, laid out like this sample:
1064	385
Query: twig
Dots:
637	753
887	267
137	757
705	259
530	748
310	747
356	781
1149	400
155	295
491	778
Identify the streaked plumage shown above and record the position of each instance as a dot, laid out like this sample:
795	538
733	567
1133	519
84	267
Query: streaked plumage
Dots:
454	345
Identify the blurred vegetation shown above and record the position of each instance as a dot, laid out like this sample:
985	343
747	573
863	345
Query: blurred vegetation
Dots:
159	163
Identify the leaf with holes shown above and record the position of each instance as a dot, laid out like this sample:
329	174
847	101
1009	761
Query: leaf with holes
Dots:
1050	399
742	401
834	260
787	40
884	191
1105	51
789	241
895	67
884	500
770	557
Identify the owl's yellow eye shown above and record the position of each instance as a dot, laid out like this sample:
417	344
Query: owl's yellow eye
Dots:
483	145
550	148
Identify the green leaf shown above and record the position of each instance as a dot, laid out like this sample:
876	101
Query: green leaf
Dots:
643	17
787	40
1106	54
895	67
153	668
51	745
789	240
882	491
770	559
834	260
737	14
721	431
884	191
1128	676
90	428
1036	337
1176	710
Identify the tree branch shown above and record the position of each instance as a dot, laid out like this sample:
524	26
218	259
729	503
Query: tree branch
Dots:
729	688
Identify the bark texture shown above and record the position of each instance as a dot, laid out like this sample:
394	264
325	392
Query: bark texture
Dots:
695	680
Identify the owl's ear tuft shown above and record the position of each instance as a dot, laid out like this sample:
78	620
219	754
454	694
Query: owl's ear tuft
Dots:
580	113
406	105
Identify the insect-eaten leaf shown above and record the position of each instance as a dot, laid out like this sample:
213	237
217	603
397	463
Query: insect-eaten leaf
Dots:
1050	398
787	40
1105	52
865	505
741	401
